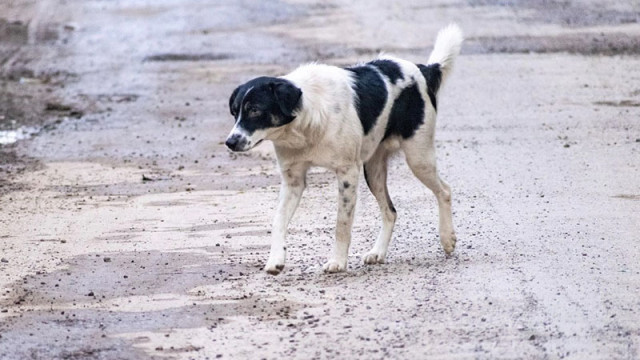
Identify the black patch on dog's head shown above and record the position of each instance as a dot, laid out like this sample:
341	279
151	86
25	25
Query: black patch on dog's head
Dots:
433	76
389	68
265	102
371	94
407	113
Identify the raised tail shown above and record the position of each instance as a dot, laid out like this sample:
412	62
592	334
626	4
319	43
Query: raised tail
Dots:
440	62
446	49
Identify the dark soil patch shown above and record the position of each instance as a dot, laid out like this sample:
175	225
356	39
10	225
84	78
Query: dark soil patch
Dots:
12	165
621	103
571	13
77	329
187	57
584	44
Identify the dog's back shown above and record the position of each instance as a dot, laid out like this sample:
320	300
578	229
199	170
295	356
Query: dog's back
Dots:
391	97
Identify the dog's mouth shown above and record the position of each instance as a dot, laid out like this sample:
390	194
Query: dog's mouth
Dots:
247	148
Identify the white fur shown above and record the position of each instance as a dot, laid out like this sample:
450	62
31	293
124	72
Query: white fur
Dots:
446	48
328	133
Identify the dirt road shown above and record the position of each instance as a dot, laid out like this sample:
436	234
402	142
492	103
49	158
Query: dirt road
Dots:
128	231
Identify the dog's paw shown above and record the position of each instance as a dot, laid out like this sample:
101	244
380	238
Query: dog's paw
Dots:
334	266
274	270
275	264
448	243
374	257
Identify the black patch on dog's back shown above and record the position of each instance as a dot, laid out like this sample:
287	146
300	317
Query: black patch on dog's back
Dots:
433	76
407	113
371	93
389	68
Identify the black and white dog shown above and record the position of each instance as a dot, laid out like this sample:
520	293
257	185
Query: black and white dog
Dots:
345	119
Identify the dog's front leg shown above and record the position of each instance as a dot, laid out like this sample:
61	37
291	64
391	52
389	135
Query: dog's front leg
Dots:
293	184
348	189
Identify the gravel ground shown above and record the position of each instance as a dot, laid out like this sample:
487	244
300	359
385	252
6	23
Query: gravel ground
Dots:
128	231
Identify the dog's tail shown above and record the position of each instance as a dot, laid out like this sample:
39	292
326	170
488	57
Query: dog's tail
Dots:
446	49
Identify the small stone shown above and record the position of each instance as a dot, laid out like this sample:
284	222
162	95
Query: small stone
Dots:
566	145
107	259
90	293
4	260
532	337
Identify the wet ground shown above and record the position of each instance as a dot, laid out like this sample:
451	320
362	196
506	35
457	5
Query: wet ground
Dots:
128	231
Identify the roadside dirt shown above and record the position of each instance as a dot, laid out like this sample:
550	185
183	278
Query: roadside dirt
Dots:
128	231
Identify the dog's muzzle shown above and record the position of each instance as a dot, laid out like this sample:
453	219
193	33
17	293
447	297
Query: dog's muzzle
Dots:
236	142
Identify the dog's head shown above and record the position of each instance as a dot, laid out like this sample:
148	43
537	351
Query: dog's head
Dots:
260	106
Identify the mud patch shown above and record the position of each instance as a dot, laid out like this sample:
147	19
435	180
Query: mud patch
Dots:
584	44
576	13
171	182
83	311
187	57
25	92
621	103
212	227
63	110
98	277
78	333
11	166
627	196
16	32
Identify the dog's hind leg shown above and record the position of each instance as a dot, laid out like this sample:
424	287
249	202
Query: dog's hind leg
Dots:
421	157
293	184
375	173
348	188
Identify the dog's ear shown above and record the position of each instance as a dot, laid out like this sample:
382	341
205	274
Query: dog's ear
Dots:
287	95
232	108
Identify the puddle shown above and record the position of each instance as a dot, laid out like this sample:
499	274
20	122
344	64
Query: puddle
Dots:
11	136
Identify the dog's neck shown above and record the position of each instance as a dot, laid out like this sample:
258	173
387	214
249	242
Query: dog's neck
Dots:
305	131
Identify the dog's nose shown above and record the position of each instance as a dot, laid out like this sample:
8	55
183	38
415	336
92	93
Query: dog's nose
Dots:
232	142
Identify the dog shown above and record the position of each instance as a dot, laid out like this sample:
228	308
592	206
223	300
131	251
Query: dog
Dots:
346	120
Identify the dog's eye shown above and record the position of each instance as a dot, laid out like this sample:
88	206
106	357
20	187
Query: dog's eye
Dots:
254	112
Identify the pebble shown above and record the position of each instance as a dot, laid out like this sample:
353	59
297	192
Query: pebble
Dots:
4	260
